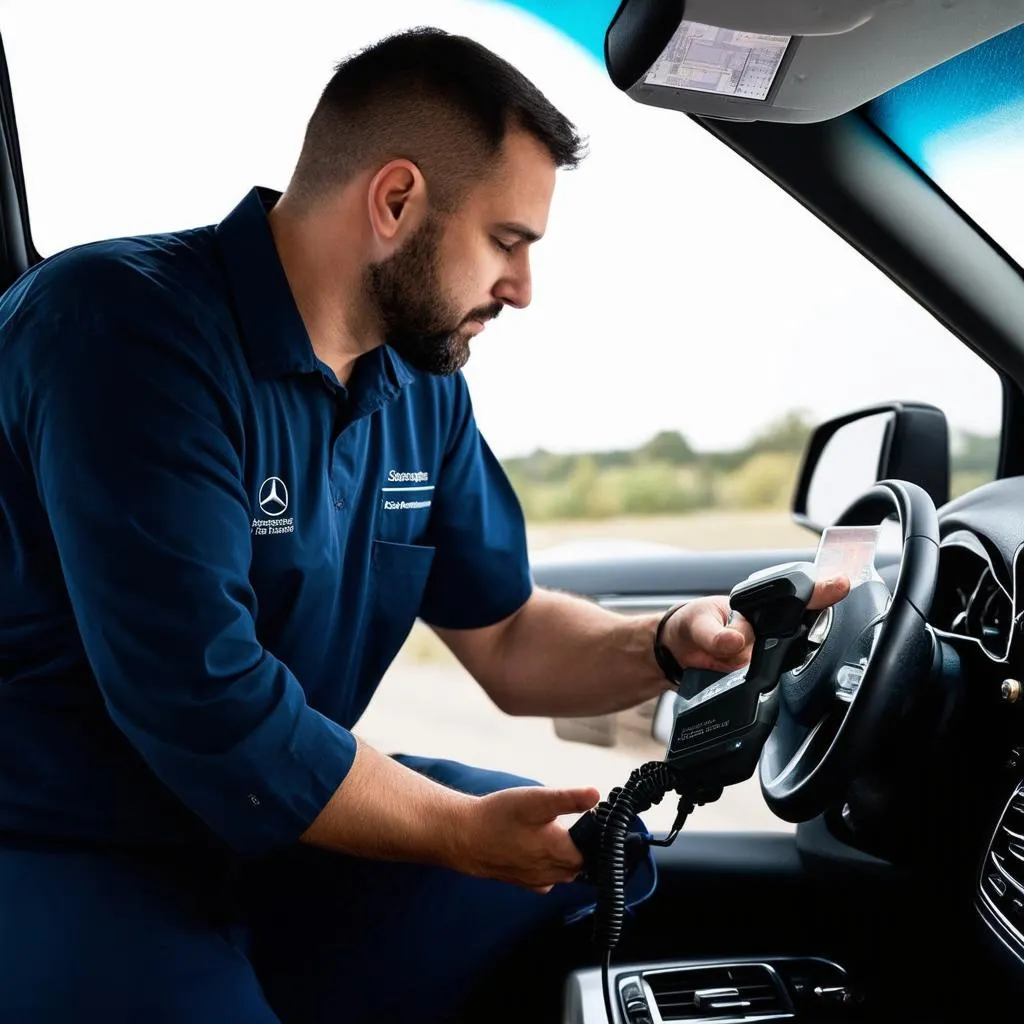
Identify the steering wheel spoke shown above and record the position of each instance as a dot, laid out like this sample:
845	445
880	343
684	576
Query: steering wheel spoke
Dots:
815	743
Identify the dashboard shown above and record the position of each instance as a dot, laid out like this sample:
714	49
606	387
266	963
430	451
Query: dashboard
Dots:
970	600
982	535
976	598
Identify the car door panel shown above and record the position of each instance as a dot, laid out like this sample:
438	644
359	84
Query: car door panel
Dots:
656	580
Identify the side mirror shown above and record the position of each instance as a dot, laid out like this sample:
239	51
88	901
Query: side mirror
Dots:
847	455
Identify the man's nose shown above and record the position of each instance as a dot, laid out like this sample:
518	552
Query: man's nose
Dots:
516	289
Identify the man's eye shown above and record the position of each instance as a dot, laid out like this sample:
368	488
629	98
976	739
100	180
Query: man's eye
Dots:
506	249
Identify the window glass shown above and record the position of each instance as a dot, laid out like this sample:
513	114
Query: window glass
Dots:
962	123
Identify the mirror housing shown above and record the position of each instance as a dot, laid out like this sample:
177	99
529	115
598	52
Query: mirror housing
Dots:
891	441
813	62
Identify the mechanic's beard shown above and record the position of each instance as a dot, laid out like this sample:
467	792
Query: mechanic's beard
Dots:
419	322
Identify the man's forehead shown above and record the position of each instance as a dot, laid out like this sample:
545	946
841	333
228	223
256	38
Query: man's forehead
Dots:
519	190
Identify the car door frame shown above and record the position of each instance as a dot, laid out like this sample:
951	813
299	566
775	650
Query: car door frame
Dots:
17	253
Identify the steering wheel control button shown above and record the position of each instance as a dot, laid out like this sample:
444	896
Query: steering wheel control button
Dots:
1010	690
848	680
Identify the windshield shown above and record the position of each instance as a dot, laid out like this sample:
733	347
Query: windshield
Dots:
963	124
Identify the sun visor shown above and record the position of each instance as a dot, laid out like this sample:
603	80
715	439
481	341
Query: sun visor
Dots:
795	61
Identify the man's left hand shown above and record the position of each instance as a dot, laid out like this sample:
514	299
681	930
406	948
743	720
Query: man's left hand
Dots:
702	635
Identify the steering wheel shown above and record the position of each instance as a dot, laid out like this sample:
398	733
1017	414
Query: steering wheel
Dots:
866	654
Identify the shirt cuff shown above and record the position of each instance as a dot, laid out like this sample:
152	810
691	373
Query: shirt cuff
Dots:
265	792
492	599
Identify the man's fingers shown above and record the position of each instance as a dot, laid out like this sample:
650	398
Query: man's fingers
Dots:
709	633
541	804
828	592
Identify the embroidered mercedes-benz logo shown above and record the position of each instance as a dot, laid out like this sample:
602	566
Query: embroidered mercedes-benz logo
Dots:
273	497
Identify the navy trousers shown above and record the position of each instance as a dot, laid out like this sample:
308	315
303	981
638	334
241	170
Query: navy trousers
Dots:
95	936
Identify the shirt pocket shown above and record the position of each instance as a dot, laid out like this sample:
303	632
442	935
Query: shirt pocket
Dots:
398	576
402	560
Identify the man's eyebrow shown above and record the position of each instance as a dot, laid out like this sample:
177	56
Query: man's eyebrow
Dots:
525	233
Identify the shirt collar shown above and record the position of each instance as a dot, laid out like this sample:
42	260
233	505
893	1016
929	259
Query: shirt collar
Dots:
276	340
377	377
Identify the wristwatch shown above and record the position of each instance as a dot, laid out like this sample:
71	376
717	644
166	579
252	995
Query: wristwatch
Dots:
670	668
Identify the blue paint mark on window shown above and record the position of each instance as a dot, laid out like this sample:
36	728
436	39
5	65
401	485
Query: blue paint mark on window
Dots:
962	124
957	99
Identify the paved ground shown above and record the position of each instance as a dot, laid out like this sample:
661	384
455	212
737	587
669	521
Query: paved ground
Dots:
437	709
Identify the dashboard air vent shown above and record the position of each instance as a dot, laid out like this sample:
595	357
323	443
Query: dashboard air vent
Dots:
733	992
1002	875
989	614
969	599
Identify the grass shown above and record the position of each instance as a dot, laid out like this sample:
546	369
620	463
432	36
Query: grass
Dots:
699	531
705	531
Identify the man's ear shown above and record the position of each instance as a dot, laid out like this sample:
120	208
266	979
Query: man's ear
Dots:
397	200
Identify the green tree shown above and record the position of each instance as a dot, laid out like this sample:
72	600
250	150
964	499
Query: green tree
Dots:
656	488
764	481
789	433
974	453
575	498
668	446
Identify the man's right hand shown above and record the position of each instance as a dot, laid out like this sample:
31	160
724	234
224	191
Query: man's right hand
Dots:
514	836
385	811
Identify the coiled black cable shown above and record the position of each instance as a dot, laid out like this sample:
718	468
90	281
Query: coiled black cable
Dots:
647	785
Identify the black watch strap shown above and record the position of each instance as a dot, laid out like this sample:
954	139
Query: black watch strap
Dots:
670	668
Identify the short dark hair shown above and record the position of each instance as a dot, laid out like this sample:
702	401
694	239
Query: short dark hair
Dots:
442	101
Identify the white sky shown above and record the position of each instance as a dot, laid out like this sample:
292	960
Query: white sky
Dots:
677	288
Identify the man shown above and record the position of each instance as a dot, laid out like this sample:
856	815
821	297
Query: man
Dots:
236	463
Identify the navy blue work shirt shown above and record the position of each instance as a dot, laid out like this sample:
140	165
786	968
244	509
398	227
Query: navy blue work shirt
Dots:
210	549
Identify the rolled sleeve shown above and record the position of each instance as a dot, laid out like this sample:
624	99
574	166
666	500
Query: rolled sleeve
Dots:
481	570
137	445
